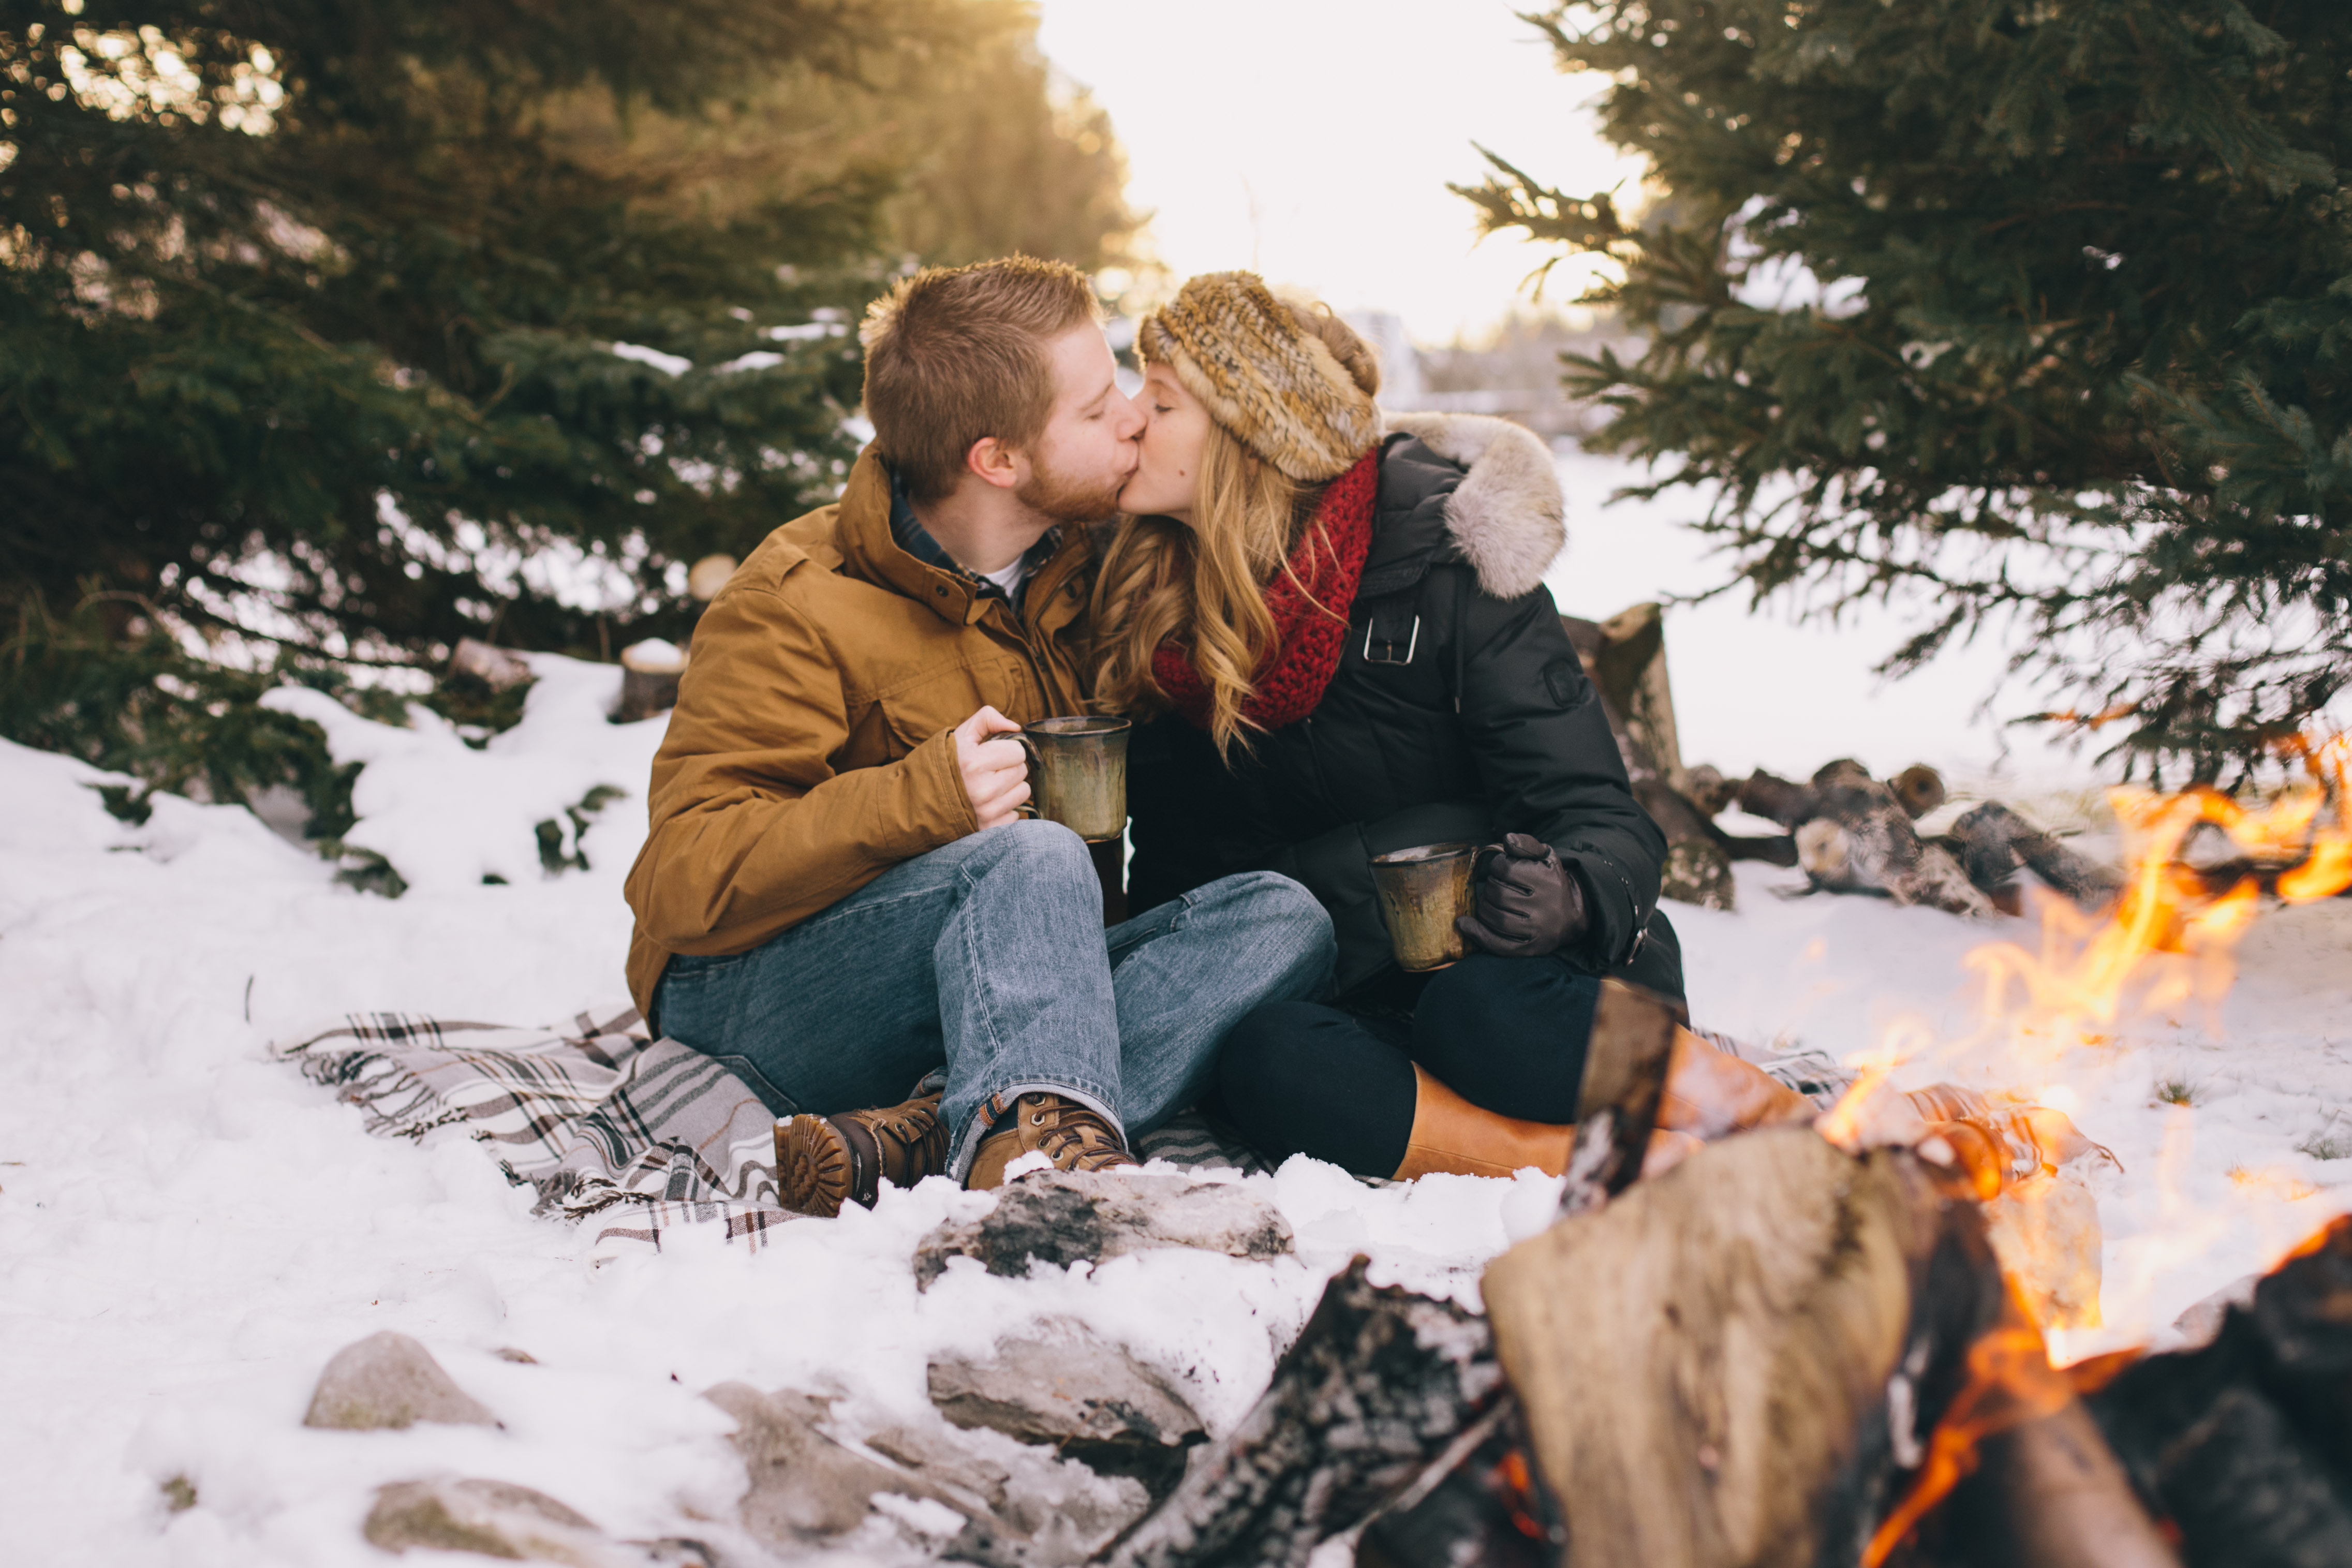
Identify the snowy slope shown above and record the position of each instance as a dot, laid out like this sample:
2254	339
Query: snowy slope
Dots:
188	1231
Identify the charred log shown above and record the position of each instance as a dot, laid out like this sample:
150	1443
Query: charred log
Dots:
1381	1386
2246	1444
1489	1511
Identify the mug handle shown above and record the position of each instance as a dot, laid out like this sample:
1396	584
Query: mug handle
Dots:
1028	808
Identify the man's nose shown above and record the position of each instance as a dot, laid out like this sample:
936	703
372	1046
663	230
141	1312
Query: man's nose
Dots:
1131	430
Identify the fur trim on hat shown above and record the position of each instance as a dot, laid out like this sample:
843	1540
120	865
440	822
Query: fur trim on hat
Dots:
1508	517
1278	390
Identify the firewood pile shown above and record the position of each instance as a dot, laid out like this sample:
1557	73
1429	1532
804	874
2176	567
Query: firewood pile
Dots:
1849	832
1779	1353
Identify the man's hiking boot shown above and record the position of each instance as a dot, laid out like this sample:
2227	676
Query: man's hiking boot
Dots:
1073	1137
824	1161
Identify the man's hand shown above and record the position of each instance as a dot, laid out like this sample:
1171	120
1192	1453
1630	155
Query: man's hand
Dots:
995	773
1527	901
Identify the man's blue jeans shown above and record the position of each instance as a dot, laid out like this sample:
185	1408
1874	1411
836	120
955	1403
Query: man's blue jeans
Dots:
987	957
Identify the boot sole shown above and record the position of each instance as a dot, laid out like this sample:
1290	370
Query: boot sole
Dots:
814	1167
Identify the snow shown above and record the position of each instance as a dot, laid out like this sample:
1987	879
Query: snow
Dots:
192	1230
758	359
669	365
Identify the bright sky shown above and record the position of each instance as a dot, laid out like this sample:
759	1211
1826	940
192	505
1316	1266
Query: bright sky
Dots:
1313	141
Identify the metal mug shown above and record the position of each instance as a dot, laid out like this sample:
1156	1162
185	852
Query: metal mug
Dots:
1077	773
1421	891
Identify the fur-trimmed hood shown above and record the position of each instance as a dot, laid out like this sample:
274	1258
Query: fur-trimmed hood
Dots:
1508	517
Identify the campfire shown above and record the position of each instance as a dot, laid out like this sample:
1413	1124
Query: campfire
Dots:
1851	1344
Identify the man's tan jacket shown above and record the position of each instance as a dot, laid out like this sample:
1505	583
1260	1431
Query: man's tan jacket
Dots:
809	749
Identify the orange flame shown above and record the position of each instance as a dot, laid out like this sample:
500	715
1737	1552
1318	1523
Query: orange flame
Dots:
2167	942
2011	1381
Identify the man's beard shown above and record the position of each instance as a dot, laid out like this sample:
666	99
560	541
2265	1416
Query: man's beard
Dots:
1066	499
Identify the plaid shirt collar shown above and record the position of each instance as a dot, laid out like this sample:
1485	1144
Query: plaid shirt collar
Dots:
916	540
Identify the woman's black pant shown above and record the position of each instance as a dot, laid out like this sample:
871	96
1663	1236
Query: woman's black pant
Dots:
1509	1035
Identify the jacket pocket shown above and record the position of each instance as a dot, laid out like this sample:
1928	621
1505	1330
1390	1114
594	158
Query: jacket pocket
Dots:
913	713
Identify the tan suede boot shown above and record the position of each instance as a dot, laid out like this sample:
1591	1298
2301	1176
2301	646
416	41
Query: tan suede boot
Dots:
1073	1137
822	1160
1450	1136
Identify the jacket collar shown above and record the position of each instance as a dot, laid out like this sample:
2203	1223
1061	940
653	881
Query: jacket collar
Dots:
870	549
1465	487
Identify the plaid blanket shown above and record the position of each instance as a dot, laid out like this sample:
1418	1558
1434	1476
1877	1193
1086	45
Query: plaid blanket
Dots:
611	1127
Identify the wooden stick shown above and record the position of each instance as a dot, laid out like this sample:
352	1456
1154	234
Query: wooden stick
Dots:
1625	1065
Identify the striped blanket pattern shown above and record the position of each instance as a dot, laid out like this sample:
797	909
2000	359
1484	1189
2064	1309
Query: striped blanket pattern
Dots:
611	1127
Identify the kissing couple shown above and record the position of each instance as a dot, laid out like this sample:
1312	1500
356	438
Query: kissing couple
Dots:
1330	631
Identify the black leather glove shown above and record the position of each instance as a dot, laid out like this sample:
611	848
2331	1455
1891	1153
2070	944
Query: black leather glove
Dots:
1527	901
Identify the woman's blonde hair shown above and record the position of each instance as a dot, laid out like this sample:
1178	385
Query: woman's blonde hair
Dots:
1203	586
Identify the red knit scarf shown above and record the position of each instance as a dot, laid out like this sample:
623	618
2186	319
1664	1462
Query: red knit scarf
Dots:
1311	626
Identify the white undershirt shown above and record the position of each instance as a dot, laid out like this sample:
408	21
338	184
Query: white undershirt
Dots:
1012	577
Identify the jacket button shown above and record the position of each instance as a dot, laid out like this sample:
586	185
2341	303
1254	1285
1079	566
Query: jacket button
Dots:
941	590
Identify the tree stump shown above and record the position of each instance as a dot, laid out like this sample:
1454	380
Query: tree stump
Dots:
649	676
1625	657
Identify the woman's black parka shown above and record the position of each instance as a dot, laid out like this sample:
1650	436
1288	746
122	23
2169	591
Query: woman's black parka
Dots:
1459	711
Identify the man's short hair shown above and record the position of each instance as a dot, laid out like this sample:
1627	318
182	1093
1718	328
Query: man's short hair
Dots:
954	354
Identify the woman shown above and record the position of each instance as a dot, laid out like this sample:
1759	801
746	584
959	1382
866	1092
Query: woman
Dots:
1344	637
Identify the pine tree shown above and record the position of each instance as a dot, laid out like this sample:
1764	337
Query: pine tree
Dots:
2040	307
366	327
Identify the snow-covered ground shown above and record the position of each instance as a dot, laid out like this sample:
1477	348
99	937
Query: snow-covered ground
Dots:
188	1230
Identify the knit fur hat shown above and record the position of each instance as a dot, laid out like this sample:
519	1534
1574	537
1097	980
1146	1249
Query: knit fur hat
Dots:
1274	386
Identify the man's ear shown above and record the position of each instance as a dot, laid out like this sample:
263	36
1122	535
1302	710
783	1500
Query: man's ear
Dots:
995	462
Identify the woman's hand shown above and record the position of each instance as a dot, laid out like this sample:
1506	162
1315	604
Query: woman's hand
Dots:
995	773
1527	901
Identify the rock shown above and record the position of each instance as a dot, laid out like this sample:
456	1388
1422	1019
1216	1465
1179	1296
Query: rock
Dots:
494	1519
1061	1386
804	1484
2045	1231
1066	1217
389	1381
936	1455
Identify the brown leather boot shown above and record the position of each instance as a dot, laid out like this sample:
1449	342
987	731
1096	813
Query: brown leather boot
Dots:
823	1160
1067	1134
1711	1093
1454	1137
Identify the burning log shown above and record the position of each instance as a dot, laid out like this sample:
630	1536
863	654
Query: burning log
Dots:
1781	1326
1777	1317
2246	1444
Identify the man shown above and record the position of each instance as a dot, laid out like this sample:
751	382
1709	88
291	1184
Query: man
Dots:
837	898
